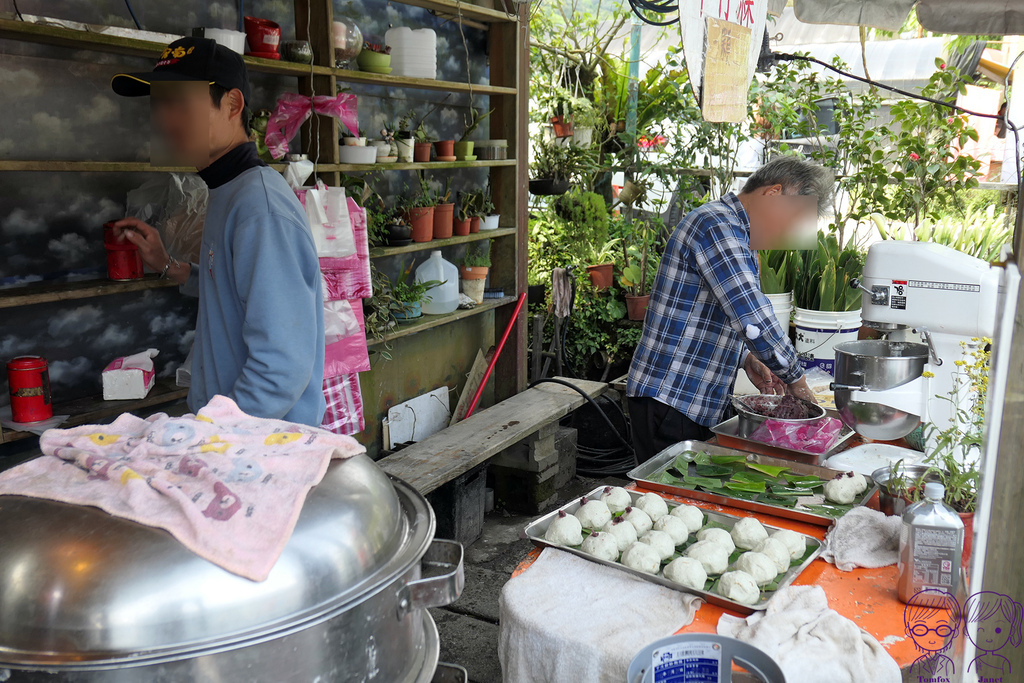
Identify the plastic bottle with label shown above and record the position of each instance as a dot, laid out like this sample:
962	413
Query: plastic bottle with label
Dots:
931	543
443	298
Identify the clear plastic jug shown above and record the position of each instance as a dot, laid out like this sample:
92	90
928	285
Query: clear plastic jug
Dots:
445	297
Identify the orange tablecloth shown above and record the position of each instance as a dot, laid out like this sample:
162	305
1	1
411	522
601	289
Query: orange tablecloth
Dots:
866	596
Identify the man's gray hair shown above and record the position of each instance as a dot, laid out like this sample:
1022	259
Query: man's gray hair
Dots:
796	176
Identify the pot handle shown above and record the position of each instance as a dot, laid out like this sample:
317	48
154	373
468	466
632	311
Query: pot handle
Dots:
443	579
449	673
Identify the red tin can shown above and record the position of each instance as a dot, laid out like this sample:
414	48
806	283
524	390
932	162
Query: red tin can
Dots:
124	262
29	381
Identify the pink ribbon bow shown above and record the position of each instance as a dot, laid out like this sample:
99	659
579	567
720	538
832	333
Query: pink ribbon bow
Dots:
293	110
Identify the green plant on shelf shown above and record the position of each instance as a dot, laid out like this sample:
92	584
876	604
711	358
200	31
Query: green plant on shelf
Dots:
485	206
469	205
407	295
478	257
378	312
421	135
473	121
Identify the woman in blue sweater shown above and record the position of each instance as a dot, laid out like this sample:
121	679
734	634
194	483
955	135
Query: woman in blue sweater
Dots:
260	330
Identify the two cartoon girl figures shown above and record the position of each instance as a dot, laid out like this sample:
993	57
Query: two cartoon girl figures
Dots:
991	621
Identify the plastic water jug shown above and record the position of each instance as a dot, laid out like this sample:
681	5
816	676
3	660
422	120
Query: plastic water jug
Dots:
931	549
445	297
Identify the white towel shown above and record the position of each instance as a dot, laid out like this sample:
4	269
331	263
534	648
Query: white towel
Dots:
811	642
567	619
863	538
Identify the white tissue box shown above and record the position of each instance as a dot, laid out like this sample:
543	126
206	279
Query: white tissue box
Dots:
130	377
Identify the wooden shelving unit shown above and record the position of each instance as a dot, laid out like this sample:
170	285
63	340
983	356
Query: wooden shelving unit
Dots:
428	322
507	36
383	252
95	409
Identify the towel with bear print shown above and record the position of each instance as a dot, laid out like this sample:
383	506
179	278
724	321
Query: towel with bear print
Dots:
227	485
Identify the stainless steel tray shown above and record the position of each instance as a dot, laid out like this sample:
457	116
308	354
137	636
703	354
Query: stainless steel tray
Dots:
645	473
732	432
535	532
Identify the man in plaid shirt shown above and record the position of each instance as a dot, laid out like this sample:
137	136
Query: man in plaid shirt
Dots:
707	316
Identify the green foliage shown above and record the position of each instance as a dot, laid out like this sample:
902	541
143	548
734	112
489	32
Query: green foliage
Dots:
478	257
779	270
641	250
407	294
824	274
473	121
585	215
980	233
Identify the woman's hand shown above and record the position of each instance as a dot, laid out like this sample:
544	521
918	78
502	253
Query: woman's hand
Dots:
147	239
800	389
761	377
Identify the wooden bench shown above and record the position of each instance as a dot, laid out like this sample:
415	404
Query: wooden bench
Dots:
454	451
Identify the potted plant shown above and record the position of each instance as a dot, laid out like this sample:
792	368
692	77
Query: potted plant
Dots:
779	270
421	154
358	140
551	169
636	270
461	224
419	213
561	117
379	311
473	272
464	147
489	220
600	270
444	211
375	58
404	144
408	296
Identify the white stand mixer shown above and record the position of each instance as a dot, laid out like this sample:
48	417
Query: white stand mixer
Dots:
884	389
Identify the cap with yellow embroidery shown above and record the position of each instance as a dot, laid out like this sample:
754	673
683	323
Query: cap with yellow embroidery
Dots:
189	59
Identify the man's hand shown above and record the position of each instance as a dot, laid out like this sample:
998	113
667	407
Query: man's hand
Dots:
800	389
761	377
147	239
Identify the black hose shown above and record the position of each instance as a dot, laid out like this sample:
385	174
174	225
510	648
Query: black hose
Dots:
599	462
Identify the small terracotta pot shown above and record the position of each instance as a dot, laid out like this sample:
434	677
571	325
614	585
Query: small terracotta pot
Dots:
563	128
473	272
968	519
421	219
421	152
636	306
443	221
460	228
474	224
444	148
601	275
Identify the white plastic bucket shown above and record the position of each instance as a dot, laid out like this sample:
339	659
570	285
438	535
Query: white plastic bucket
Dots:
782	304
818	332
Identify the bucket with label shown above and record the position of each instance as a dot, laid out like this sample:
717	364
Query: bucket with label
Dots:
818	333
782	304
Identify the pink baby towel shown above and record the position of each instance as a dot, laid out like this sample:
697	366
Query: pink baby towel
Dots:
227	485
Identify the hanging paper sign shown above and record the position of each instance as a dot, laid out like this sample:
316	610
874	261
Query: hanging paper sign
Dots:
693	14
724	96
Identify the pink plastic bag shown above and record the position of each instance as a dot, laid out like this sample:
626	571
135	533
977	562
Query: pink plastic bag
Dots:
349	354
811	437
348	277
344	405
293	110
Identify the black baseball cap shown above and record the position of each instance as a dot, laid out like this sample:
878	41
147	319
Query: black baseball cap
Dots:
189	59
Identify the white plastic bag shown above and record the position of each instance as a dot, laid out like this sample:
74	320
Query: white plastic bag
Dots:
174	204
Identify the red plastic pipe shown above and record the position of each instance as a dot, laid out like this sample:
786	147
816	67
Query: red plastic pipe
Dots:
497	353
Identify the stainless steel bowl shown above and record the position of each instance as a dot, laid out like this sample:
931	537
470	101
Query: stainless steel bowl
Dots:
876	365
750	421
890	502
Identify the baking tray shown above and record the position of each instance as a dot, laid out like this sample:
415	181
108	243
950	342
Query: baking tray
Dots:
644	474
535	532
729	434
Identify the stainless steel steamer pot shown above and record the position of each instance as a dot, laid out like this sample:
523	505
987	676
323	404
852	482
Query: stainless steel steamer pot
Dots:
86	597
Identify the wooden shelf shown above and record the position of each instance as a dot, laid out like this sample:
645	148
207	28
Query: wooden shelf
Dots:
381	252
143	167
425	166
66	291
428	322
95	409
454	9
368	78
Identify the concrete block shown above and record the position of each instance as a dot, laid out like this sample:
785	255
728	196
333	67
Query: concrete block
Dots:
459	506
535	453
524	492
565	447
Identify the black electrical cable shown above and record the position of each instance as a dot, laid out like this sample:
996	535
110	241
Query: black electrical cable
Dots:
664	7
128	4
599	462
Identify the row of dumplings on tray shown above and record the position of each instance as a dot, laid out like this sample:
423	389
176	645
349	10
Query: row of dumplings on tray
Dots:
644	535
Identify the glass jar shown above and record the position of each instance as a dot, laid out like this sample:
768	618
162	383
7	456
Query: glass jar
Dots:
348	41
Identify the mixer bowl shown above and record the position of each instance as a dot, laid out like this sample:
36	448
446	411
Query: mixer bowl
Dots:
876	365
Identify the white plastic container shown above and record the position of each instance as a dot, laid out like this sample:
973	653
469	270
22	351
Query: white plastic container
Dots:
413	52
445	297
782	304
818	332
490	222
931	549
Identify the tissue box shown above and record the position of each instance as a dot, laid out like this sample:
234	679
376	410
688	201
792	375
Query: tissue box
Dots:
130	377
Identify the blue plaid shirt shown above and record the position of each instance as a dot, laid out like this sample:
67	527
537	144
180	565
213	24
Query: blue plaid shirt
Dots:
706	305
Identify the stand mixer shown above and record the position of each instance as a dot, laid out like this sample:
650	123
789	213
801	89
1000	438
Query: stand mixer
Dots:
884	388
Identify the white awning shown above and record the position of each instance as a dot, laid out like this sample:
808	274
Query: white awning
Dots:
973	17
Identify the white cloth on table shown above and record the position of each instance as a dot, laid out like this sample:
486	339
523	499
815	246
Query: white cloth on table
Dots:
863	538
568	619
812	643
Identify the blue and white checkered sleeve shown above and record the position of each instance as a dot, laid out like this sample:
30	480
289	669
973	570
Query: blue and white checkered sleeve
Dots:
726	264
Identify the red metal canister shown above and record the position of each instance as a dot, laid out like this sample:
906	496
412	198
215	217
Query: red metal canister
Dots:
124	262
29	381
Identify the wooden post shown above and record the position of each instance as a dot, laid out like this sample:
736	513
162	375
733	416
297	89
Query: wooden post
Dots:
319	133
510	66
